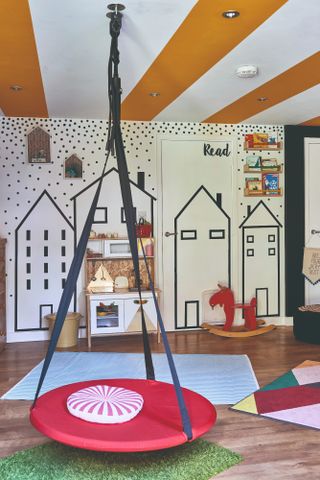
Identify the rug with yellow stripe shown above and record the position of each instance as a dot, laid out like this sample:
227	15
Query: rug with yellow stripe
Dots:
294	397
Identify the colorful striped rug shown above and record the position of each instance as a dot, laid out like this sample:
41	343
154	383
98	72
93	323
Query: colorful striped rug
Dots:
222	379
294	397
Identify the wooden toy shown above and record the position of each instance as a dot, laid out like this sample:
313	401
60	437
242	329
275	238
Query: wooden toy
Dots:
225	298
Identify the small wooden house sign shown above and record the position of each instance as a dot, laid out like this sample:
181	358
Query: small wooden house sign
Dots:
73	167
39	146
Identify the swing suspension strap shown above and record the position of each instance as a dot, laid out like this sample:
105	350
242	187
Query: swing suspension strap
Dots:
115	146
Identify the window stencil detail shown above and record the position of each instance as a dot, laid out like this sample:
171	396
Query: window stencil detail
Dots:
123	215
216	234
188	235
250	238
101	215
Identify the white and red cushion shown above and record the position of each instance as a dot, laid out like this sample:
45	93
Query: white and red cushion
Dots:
105	404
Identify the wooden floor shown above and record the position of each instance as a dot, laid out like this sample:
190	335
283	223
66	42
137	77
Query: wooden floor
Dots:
271	450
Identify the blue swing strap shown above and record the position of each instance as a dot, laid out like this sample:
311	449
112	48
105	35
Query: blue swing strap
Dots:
114	142
70	286
182	406
132	235
116	145
76	263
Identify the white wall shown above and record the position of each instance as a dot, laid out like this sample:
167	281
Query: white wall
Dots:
21	185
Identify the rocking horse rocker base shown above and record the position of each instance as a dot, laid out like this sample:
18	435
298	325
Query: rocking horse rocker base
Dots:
252	327
238	332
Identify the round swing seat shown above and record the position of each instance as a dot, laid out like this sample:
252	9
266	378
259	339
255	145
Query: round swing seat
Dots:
157	426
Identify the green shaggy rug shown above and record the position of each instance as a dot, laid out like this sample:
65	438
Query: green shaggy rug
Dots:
199	460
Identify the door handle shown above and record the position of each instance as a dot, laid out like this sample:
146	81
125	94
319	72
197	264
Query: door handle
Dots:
168	234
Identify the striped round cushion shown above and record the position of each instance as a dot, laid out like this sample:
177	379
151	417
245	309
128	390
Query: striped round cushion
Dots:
104	404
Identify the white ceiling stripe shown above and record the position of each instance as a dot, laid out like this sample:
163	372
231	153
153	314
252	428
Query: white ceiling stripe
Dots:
72	39
284	40
295	110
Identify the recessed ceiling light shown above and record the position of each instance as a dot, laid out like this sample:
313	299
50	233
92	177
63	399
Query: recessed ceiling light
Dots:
154	94
231	14
16	88
262	99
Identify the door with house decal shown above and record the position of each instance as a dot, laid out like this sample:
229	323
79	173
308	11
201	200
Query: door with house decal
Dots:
195	230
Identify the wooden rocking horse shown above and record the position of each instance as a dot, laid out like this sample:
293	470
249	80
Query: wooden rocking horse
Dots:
225	298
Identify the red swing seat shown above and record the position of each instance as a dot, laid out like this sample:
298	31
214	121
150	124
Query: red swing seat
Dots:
156	427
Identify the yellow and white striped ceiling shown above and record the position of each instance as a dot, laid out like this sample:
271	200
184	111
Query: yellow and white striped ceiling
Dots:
185	50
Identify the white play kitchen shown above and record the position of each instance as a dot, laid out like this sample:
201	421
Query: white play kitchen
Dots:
112	299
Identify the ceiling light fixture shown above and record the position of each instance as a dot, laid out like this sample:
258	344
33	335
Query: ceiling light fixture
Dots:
231	14
16	88
154	94
262	99
247	71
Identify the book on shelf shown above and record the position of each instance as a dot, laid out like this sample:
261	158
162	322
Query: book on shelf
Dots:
261	140
253	162
254	185
269	164
270	183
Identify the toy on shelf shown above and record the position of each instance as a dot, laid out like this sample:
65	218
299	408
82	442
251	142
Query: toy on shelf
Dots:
225	298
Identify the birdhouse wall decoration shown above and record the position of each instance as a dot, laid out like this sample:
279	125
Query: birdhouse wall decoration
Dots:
73	167
38	146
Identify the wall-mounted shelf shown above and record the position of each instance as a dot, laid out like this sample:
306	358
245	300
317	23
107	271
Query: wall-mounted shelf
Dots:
263	193
277	169
269	147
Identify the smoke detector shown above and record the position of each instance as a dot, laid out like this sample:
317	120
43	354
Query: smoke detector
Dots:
247	71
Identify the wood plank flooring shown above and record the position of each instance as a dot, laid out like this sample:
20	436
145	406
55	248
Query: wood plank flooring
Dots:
271	450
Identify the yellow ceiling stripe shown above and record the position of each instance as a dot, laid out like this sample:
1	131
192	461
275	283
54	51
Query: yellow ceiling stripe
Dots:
313	121
19	64
297	79
200	42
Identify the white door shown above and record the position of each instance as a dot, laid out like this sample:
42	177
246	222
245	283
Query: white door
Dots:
197	188
312	208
